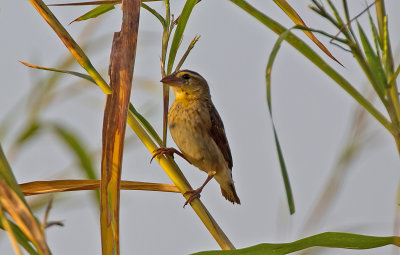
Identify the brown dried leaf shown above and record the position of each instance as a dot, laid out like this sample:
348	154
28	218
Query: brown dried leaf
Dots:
23	217
285	6
43	187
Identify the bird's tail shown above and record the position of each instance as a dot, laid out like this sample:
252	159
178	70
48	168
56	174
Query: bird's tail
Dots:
229	192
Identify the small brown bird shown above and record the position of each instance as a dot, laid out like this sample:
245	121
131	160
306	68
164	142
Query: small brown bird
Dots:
198	131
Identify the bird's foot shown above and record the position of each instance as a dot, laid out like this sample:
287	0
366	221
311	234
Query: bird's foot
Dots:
167	151
196	192
193	195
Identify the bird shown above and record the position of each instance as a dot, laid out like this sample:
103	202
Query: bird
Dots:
198	131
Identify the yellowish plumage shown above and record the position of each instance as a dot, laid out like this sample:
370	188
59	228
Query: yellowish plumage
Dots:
198	131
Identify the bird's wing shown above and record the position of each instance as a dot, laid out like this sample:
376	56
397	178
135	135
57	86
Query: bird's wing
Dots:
217	132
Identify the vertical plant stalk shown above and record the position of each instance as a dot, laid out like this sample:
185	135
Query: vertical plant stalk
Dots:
122	62
391	92
167	29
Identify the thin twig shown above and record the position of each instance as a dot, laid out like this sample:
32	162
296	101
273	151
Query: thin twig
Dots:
54	223
348	23
190	47
177	19
46	214
164	49
45	222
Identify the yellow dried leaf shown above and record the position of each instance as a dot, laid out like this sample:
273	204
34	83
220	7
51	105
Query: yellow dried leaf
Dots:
22	216
43	187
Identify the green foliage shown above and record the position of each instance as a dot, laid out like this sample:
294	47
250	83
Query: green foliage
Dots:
374	64
328	239
99	10
268	72
180	28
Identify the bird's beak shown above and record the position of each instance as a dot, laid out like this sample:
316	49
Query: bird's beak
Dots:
172	80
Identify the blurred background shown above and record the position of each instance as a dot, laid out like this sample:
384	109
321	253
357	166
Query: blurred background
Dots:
315	121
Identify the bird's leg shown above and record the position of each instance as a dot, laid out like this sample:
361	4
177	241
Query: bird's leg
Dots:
196	193
167	151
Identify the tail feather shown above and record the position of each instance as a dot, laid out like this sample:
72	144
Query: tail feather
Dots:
229	192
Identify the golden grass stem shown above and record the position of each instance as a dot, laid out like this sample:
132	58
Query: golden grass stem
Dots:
70	43
183	185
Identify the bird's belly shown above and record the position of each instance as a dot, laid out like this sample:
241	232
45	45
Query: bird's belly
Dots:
198	147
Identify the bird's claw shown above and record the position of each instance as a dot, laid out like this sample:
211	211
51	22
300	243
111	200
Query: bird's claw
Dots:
167	151
193	195
161	151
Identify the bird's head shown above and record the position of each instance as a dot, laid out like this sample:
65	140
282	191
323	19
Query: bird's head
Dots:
187	84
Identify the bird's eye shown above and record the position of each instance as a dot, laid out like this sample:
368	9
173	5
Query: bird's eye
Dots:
186	76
